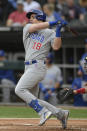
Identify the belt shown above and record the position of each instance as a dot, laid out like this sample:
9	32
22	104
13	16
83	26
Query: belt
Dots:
32	62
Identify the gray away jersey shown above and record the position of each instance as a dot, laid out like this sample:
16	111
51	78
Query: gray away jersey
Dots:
37	44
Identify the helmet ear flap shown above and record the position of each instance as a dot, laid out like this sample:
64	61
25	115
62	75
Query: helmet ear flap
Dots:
39	17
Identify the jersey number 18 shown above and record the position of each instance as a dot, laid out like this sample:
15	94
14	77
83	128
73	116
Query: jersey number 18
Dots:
37	46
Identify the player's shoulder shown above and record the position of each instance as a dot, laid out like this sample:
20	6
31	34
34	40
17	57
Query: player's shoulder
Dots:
27	26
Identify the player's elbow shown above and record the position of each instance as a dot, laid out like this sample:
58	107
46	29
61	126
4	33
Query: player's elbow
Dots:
57	44
56	47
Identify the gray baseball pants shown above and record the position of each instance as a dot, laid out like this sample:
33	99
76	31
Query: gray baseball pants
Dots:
27	88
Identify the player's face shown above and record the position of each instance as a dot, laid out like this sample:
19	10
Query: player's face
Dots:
33	19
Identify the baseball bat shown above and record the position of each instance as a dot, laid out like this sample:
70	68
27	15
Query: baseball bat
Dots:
74	32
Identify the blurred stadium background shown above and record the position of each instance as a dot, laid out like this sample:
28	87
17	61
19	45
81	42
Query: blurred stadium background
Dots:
11	44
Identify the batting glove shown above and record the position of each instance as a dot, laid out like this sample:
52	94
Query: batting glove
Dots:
58	22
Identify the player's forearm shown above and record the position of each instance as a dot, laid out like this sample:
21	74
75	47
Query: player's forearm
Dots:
43	25
39	26
57	43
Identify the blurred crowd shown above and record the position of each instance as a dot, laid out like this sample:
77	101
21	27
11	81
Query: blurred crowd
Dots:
13	12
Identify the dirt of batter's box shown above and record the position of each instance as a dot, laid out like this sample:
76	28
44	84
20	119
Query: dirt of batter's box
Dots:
32	125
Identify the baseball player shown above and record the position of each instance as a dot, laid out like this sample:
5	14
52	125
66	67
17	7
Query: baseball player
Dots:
67	93
6	78
37	40
52	80
80	70
83	69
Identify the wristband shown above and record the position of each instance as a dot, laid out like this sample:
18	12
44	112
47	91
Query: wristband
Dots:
58	33
53	23
80	91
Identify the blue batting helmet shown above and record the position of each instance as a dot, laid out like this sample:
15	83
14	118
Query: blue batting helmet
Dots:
40	15
50	57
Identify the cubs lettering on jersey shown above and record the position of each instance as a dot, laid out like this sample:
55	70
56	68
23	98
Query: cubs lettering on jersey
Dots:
38	44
